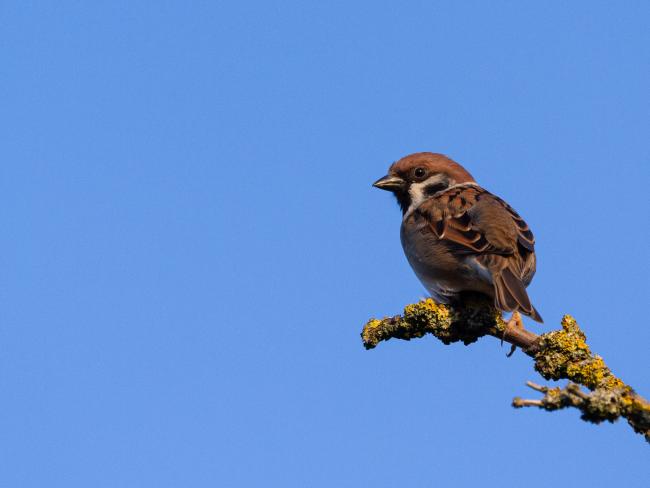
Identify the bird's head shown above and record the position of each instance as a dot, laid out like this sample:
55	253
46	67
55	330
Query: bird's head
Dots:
419	176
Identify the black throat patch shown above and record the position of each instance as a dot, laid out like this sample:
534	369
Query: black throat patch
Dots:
404	200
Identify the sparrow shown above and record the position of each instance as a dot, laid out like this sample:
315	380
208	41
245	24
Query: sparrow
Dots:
458	237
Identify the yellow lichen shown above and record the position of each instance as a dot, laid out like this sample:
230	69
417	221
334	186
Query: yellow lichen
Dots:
426	310
372	323
565	354
589	373
561	354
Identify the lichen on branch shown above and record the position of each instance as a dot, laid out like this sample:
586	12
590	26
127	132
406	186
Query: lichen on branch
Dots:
429	317
561	354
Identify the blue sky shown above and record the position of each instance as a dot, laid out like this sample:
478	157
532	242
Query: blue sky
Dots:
192	245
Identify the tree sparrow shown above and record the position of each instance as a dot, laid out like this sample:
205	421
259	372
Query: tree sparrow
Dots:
458	237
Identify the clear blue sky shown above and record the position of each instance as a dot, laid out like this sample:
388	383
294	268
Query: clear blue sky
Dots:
191	244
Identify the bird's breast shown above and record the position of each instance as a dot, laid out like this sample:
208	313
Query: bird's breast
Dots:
443	272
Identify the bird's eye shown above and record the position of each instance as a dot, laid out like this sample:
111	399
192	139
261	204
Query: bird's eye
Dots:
419	172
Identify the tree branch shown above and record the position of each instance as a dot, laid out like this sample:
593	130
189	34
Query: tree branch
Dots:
561	354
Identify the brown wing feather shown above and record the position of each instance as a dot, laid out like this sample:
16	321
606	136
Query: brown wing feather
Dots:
479	223
525	236
452	216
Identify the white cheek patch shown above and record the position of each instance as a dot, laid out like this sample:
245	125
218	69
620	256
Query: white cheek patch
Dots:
416	190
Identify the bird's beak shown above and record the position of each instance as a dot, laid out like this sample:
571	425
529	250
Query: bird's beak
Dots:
389	183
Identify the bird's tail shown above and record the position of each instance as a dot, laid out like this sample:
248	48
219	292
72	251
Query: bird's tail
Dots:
510	295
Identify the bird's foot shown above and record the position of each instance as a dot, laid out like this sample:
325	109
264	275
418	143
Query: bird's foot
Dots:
516	322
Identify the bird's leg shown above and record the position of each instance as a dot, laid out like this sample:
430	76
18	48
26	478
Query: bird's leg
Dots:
516	322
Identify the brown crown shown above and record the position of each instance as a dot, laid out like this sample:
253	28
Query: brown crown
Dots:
434	163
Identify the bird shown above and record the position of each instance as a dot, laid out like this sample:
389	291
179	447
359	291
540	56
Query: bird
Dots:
459	238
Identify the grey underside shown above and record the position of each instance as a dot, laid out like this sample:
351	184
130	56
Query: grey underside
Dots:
440	271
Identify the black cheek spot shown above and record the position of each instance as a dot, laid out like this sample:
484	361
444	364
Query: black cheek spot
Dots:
435	188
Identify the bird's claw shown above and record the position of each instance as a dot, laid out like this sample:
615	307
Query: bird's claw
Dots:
516	322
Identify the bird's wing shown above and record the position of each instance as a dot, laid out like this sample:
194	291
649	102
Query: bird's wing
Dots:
475	222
